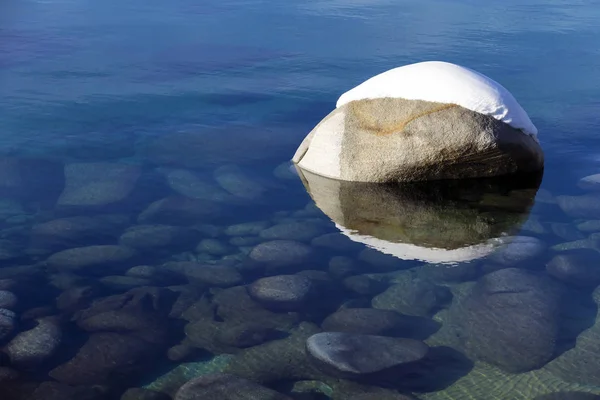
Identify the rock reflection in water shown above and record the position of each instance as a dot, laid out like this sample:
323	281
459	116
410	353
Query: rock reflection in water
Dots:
439	222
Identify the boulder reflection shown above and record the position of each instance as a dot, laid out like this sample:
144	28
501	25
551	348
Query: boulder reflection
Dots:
440	222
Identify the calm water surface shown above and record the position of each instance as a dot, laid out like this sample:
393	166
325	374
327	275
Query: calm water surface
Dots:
145	190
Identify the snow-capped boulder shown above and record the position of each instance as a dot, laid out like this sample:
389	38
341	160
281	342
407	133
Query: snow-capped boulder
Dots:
425	121
436	222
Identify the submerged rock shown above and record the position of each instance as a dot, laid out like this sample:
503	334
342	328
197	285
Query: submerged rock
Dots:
518	249
144	394
8	300
282	292
576	267
240	183
510	319
247	228
58	391
586	206
195	186
212	275
31	348
94	260
152	237
93	185
180	210
282	254
225	387
8	321
300	231
413	297
590	182
349	355
431	113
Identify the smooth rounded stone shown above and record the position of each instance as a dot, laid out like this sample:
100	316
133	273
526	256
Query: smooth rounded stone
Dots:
214	247
341	266
374	131
566	231
519	249
586	206
337	242
8	322
590	182
243	335
149	237
579	267
379	396
225	387
243	241
120	282
240	183
76	231
8	300
381	261
8	284
247	228
193	185
534	225
144	394
510	318
213	275
589	226
209	230
282	253
364	285
286	171
282	292
181	352
300	231
568	396
103	355
10	208
93	185
413	297
156	274
31	348
351	355
94	260
8	374
369	321
180	210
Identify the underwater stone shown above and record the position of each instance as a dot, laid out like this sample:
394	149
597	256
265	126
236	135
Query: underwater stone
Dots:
413	297
31	348
282	253
566	231
245	241
590	182
181	352
341	266
247	228
225	387
180	210
518	249
8	300
350	355
150	237
381	261
94	260
286	171
92	185
103	355
579	267
300	231
589	226
8	374
59	391
144	394
120	282
461	272
369	321
586	206
26	178
75	298
192	185
214	247
240	183
364	285
509	319
379	396
568	396
282	292
76	231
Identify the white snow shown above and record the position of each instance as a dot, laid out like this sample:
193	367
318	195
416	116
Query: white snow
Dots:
443	82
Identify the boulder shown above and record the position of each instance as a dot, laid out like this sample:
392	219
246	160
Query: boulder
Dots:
212	275
31	348
8	322
8	300
282	254
350	355
410	296
424	121
225	387
282	292
97	185
579	267
94	260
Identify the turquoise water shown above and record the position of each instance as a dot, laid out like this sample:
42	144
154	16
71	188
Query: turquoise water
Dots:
145	188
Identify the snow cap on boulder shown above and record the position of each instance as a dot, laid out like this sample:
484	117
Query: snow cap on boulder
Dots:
425	121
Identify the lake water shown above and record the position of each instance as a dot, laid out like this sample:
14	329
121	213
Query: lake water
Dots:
145	191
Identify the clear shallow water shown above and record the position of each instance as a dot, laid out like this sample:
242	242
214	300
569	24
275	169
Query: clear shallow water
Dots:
163	99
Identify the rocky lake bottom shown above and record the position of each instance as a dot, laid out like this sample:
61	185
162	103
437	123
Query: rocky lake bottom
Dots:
145	279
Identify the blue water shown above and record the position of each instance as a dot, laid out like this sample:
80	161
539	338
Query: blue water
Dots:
161	89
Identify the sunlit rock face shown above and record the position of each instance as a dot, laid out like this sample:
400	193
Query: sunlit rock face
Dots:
441	222
421	122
